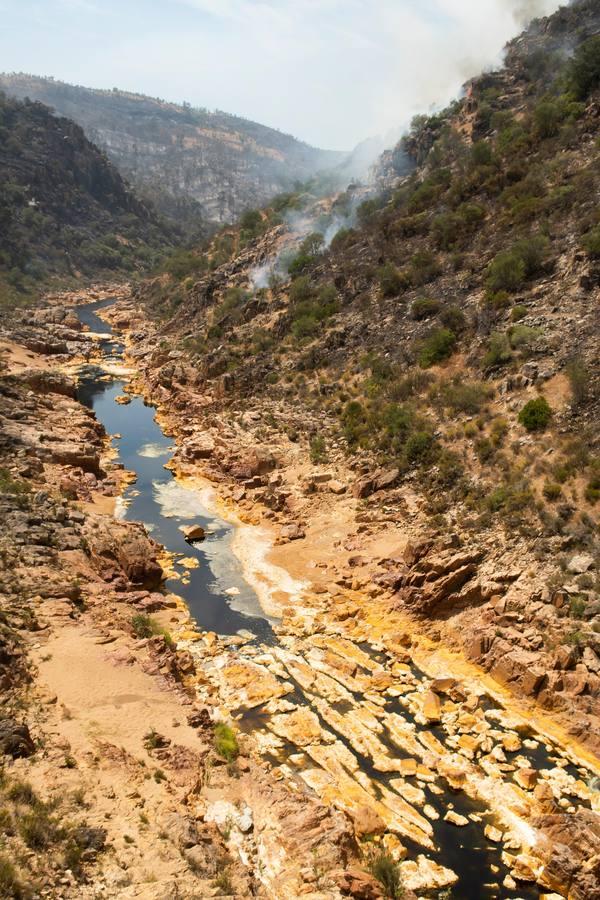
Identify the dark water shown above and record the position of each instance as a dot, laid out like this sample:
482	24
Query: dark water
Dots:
163	506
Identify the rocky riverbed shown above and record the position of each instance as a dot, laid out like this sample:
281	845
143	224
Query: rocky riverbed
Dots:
358	729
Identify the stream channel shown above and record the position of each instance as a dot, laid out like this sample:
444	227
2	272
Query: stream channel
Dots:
220	600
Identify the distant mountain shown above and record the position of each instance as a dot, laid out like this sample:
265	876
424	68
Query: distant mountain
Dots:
195	165
64	208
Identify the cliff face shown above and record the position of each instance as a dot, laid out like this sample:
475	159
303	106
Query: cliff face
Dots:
195	165
64	208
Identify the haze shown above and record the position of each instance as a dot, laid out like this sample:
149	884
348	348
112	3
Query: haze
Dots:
331	72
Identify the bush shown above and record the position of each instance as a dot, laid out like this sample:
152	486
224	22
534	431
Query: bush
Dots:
317	449
552	491
425	309
536	414
391	281
506	272
579	380
453	318
10	884
419	447
522	336
465	396
584	70
437	347
146	627
424	267
547	117
386	870
509	269
499	352
226	743
518	312
591	242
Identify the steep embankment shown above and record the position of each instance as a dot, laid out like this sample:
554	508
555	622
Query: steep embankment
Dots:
65	211
444	352
200	168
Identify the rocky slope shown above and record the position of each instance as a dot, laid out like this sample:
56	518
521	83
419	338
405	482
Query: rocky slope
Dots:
444	353
198	167
65	211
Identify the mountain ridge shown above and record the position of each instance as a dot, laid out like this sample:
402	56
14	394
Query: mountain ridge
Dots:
199	167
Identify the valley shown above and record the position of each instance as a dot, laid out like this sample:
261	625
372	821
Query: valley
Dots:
299	487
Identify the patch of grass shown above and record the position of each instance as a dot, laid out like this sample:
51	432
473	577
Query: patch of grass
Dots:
552	491
226	743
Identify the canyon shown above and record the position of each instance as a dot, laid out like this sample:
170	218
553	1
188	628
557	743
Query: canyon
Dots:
299	556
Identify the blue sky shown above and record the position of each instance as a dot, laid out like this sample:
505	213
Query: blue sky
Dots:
331	72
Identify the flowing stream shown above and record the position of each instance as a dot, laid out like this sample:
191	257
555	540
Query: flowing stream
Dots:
220	600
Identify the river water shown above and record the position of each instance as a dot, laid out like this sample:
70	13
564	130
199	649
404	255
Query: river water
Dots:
216	593
220	600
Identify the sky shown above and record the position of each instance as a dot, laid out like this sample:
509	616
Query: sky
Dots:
331	72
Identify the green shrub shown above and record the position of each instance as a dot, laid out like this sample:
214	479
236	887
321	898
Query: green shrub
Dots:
384	868
521	336
548	117
437	347
419	447
506	272
424	267
146	627
591	242
465	396
536	414
584	69
509	269
226	743
425	308
579	380
391	281
552	491
499	352
577	607
518	312
317	449
592	491
453	318
23	792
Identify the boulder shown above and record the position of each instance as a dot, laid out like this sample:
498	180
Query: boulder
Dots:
581	564
15	739
292	532
257	461
193	533
116	549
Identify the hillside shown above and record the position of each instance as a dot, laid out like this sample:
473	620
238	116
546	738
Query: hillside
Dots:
442	353
198	167
65	210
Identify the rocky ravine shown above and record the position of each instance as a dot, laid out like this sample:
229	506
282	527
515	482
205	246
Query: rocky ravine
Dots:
111	784
355	701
